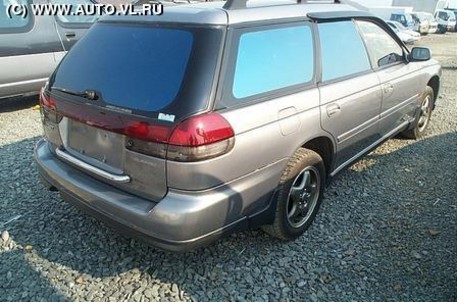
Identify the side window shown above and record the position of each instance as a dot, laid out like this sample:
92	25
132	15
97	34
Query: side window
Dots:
343	52
15	23
383	49
272	59
71	19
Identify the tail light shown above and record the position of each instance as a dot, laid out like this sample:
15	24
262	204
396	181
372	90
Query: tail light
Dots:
201	137
197	138
48	108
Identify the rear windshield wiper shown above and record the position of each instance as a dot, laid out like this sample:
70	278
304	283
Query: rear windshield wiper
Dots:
87	94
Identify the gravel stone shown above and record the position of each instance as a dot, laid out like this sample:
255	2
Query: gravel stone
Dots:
386	231
5	236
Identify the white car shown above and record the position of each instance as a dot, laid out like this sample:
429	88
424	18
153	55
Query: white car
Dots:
433	25
422	24
446	20
406	35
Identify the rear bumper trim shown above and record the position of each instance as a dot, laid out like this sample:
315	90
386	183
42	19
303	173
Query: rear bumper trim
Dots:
116	178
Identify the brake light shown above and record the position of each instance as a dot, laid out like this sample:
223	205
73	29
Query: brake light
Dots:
200	137
197	138
201	130
148	132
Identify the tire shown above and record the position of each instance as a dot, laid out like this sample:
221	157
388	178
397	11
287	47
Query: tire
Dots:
299	197
423	119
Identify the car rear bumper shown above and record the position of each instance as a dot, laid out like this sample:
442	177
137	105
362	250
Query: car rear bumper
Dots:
181	221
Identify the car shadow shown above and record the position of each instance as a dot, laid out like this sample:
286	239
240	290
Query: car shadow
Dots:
58	235
18	103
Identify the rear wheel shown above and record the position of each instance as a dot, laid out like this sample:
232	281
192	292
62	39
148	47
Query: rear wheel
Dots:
300	194
423	119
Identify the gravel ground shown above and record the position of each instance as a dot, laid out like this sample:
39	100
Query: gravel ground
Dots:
387	231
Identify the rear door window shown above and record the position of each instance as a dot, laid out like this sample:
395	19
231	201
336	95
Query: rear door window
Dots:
343	53
271	59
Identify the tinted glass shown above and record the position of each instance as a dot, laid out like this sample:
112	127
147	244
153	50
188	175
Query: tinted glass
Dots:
343	52
272	59
15	21
141	68
383	49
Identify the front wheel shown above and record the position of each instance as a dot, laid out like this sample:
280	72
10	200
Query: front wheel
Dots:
300	193
423	119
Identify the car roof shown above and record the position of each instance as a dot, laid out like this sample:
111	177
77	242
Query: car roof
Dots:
214	13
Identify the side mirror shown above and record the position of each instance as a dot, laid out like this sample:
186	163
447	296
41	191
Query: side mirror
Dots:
419	54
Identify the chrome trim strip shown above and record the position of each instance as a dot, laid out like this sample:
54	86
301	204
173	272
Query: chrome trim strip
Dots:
352	159
23	82
92	169
362	127
399	106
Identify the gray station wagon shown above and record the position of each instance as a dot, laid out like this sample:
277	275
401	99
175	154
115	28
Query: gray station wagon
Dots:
216	117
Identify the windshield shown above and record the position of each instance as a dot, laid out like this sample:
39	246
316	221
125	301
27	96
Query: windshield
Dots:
142	68
409	18
428	17
421	17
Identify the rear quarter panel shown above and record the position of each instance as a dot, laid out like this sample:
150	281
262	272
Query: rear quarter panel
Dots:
266	135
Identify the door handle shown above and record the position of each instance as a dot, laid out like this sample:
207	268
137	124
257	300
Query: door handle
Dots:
333	109
70	35
388	88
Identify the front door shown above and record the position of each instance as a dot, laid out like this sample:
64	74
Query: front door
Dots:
399	85
349	90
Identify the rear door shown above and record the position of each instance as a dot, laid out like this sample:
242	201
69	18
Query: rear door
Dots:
399	82
27	48
349	89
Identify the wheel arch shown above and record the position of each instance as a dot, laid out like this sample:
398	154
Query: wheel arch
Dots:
323	146
434	83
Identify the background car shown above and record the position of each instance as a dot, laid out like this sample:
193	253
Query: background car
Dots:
422	24
406	35
31	47
433	25
404	18
446	20
454	10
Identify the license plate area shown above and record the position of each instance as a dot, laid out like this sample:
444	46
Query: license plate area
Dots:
100	145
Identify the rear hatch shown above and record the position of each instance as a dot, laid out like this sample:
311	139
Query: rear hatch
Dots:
122	89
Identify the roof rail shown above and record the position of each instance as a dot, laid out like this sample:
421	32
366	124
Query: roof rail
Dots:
240	4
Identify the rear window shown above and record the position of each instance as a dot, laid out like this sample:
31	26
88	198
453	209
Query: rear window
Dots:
268	61
273	59
142	68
